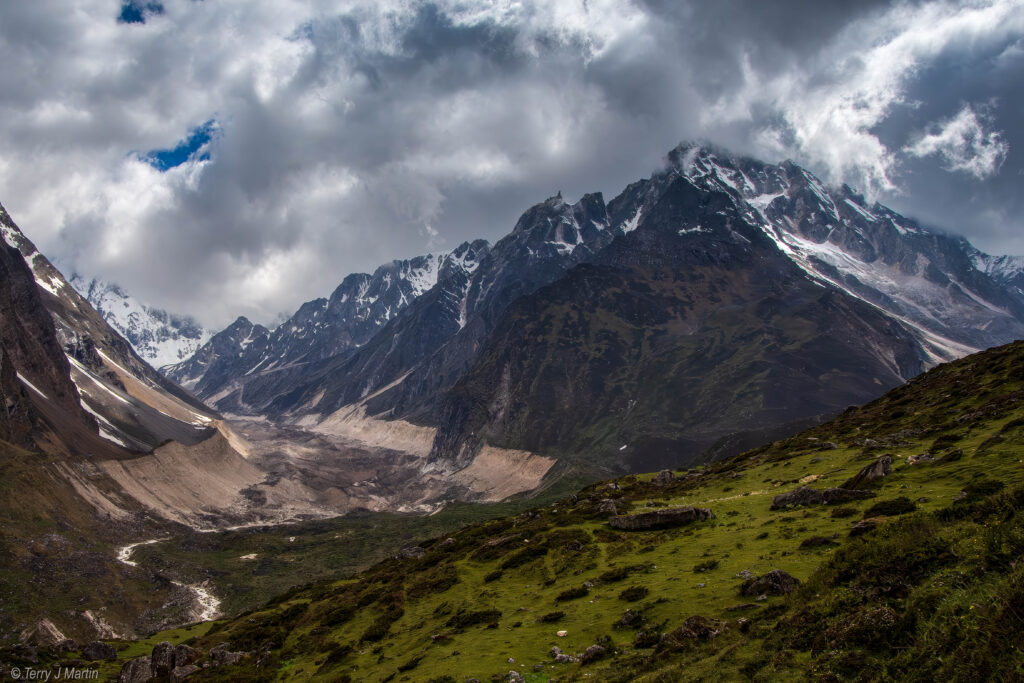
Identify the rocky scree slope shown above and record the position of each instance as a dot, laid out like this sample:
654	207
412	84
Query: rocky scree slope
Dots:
914	576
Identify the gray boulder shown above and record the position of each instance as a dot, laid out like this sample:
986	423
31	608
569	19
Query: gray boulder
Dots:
871	474
592	654
775	582
138	670
803	495
664	478
180	673
162	660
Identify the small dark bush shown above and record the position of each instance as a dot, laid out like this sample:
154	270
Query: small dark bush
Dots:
521	557
572	594
634	593
551	617
705	566
493	576
462	619
817	542
645	639
839	513
891	508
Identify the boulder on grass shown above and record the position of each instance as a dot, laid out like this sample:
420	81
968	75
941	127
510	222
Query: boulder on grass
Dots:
803	495
775	582
871	474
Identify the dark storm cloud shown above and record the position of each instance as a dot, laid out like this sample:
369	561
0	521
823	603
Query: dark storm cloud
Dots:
352	133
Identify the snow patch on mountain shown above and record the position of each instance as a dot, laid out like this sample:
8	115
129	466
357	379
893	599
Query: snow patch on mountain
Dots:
159	337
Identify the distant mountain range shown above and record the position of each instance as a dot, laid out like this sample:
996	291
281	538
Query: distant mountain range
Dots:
721	298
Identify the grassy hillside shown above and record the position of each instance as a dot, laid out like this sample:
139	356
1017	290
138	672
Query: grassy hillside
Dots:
933	591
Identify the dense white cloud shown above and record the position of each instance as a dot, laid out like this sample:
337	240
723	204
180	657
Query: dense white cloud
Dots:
349	133
964	143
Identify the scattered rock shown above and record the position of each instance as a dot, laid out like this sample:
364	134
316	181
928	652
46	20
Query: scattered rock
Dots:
828	446
562	634
412	552
871	474
64	646
659	519
515	677
555	651
98	650
745	574
565	659
607	506
664	478
137	670
592	654
918	459
803	495
775	582
835	496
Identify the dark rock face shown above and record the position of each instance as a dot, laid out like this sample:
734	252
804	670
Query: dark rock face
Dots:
871	474
864	526
98	650
661	519
775	582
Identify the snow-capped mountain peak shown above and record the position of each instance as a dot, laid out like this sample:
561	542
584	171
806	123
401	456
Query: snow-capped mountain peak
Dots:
159	337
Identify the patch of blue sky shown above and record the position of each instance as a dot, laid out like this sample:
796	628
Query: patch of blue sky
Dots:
136	11
191	148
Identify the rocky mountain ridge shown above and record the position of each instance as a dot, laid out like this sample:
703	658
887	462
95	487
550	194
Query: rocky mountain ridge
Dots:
708	227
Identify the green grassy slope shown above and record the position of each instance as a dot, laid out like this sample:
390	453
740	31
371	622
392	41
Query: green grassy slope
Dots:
935	592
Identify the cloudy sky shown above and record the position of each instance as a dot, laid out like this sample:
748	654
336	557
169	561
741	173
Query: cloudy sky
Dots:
221	157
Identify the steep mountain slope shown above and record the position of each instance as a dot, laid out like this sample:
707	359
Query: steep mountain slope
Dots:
137	408
160	338
912	575
96	447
